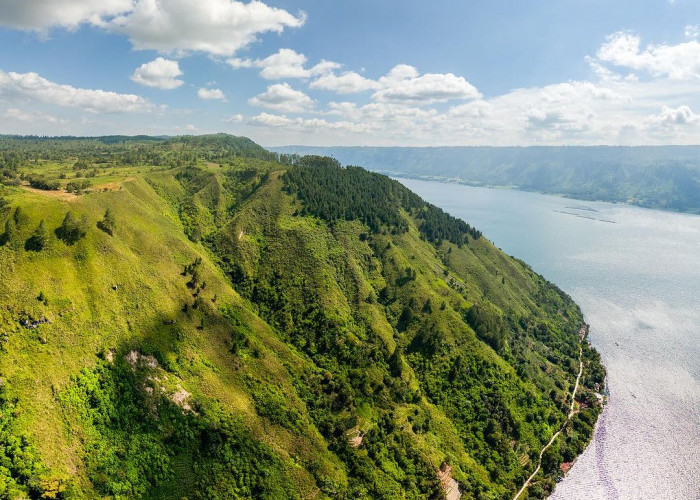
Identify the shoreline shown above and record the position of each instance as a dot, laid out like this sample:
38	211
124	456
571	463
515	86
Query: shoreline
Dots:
504	187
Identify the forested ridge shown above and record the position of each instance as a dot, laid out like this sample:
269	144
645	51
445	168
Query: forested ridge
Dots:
664	177
196	317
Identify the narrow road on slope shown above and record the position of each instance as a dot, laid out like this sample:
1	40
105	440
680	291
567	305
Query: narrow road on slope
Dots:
571	414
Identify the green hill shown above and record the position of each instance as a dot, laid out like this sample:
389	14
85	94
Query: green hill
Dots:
209	323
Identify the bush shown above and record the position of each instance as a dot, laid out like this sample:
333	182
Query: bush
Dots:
38	182
77	187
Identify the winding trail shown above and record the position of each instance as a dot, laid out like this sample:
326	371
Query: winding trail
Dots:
556	434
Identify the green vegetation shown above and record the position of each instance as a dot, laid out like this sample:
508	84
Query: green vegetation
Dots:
334	193
203	321
665	177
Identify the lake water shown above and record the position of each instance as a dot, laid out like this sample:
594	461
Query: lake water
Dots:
636	274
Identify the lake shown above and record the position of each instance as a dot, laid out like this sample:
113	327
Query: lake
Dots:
636	275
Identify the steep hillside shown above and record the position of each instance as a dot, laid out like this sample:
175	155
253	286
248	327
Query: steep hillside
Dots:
246	329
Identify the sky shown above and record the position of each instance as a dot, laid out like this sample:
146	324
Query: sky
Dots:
360	72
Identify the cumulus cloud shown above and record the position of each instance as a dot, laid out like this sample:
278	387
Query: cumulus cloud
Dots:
159	73
677	62
692	31
237	118
671	117
211	94
282	97
286	63
32	87
403	84
40	15
270	120
347	83
216	27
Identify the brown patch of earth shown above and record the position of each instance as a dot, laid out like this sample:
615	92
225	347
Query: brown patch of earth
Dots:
449	484
59	195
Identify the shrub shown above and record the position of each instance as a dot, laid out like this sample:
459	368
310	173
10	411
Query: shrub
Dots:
38	182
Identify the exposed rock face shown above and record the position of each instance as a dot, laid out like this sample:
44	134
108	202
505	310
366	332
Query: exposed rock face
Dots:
449	484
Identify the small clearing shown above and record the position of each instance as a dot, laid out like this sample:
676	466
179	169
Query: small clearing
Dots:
111	186
59	195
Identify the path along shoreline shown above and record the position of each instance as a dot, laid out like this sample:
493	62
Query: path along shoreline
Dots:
556	434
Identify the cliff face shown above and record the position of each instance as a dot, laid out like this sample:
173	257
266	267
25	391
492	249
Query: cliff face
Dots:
253	329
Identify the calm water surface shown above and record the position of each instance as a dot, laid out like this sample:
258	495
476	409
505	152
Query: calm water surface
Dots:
636	274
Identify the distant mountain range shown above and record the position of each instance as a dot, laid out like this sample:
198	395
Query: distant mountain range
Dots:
664	177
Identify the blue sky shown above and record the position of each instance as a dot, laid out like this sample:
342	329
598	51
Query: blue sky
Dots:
332	72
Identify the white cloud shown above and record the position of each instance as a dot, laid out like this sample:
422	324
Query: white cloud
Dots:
308	125
32	87
401	72
216	27
29	116
403	84
286	63
347	83
670	117
677	62
269	120
692	31
237	118
159	73
40	15
211	94
282	97
324	67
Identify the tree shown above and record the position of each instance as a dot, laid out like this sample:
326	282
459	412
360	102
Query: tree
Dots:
37	241
108	224
10	232
19	217
72	229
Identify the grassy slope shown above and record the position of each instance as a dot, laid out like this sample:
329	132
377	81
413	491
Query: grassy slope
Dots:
88	316
123	293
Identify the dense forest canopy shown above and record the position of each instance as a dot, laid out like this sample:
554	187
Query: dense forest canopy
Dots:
332	192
